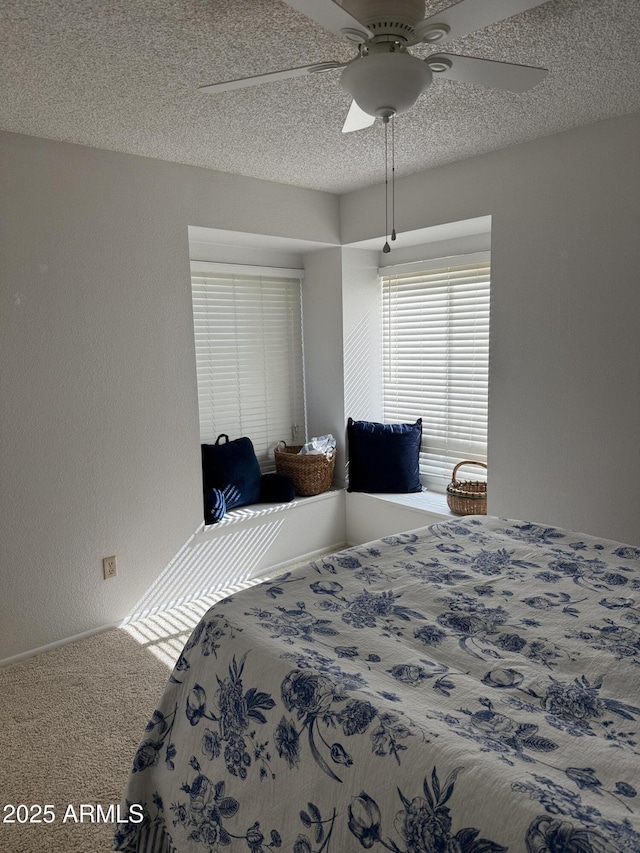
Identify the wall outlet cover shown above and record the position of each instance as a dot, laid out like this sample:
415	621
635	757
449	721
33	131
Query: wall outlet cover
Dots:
109	567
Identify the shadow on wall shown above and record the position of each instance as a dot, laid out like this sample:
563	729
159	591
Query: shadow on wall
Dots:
203	567
357	360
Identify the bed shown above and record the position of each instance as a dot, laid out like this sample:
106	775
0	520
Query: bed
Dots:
468	687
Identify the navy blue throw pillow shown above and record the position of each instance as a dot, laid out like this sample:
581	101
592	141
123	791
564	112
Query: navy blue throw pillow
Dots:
384	457
233	468
276	489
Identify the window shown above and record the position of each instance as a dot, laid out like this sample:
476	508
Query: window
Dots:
249	358
436	360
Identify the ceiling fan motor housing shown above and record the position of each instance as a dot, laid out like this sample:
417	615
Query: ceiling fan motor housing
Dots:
386	83
397	18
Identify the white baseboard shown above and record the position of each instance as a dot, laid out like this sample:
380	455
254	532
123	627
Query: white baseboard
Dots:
271	570
306	558
49	647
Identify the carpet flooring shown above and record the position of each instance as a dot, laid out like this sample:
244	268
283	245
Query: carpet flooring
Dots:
70	723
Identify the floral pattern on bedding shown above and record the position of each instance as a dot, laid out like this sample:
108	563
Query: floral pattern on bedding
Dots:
471	687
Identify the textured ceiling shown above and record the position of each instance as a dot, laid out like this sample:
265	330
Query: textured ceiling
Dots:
123	75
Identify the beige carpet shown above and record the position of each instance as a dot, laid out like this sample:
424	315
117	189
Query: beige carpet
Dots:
70	723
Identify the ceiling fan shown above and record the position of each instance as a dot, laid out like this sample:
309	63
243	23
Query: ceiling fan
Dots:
384	78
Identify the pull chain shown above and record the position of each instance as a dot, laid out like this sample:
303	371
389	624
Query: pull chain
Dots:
393	177
386	248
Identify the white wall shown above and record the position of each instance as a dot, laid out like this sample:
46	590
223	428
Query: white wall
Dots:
342	323
248	542
564	395
324	368
362	340
99	446
99	427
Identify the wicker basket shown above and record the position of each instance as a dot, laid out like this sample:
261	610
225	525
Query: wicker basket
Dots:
311	473
467	497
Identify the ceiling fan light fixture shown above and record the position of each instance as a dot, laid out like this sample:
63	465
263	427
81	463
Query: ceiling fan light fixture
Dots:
386	83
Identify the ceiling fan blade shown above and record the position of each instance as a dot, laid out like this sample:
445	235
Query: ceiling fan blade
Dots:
272	76
467	16
332	16
357	119
486	72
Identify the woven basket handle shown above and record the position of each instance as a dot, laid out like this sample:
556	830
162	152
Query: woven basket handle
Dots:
466	462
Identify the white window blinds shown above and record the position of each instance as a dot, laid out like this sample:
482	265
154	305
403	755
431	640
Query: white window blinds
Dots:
436	363
249	358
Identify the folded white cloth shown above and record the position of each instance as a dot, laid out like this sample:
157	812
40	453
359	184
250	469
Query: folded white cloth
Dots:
323	444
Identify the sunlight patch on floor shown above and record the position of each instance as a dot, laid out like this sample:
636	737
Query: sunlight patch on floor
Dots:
165	633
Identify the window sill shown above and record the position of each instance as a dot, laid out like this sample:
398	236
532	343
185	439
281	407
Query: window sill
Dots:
247	513
431	502
372	516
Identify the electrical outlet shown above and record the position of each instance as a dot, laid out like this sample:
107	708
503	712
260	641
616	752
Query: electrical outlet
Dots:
109	567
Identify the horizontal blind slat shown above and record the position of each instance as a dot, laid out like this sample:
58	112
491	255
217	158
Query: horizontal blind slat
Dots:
249	360
436	362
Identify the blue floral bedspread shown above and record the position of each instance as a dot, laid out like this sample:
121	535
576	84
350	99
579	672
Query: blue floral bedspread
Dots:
470	687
